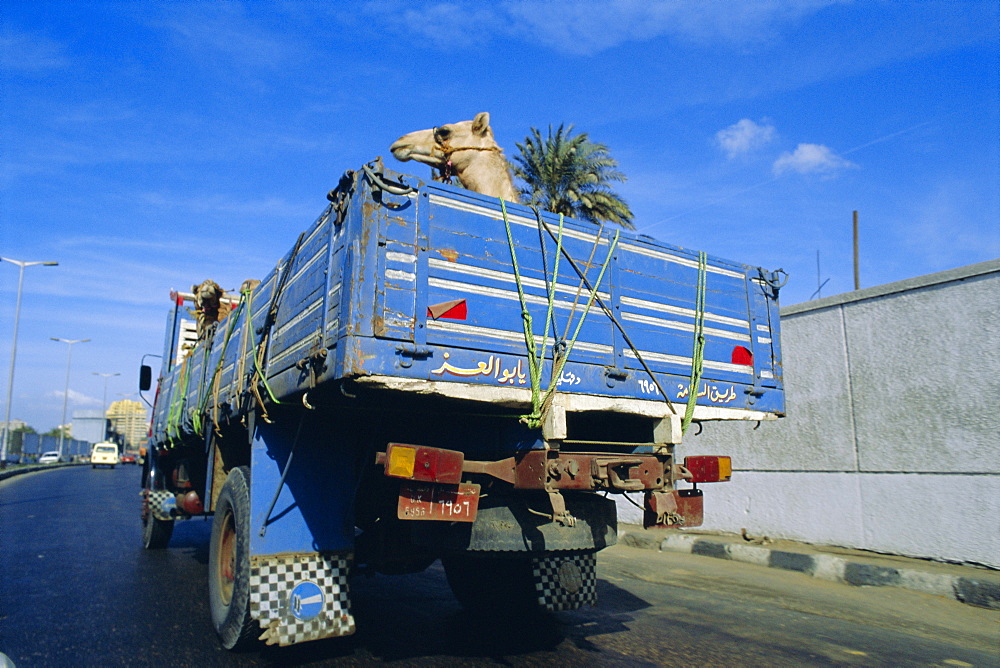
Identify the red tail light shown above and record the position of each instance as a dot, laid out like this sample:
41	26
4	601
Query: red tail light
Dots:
419	462
709	468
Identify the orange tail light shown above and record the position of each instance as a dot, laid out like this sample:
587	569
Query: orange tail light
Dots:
419	462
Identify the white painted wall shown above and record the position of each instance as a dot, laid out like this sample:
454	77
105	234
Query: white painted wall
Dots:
892	440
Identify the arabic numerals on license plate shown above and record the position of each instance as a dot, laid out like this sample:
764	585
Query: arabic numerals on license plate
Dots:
454	507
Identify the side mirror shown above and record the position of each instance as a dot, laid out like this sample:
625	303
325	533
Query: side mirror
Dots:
145	377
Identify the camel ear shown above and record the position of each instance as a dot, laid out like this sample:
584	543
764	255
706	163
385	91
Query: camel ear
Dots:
481	123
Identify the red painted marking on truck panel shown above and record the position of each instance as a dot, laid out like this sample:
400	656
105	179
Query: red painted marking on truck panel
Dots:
742	355
455	309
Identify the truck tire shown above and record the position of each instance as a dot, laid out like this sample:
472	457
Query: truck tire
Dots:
155	533
229	564
490	585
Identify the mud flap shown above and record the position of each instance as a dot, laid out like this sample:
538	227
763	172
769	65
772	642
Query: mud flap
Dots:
161	503
301	597
565	582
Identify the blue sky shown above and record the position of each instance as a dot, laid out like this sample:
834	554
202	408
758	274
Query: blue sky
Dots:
148	146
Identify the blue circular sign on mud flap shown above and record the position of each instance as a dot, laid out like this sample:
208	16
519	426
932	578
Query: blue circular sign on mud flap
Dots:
306	600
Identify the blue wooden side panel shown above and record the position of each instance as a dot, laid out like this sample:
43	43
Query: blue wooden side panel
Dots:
298	327
469	258
423	286
463	255
396	258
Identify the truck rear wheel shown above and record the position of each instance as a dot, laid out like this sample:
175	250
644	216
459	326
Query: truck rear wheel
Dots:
229	564
156	533
491	585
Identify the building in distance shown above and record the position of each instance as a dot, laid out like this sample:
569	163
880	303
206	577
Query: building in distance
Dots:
128	419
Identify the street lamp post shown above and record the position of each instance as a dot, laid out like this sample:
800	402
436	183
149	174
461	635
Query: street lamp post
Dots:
13	353
69	359
104	401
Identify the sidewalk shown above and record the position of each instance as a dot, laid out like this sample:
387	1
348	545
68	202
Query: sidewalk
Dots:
966	584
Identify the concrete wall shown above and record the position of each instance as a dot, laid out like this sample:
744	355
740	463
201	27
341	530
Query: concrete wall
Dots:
892	440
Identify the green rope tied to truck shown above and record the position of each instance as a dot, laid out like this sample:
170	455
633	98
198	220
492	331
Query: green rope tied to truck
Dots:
176	412
196	418
536	355
698	353
258	354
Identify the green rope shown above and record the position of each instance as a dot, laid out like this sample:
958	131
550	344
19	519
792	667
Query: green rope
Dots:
536	357
558	366
534	370
176	411
698	354
203	401
196	413
550	287
256	355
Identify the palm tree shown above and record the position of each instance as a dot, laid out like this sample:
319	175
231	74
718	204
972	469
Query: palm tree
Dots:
569	174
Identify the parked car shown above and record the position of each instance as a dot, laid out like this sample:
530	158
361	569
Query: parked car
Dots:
128	458
49	458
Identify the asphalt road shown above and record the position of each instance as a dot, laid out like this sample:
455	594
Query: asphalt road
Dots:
78	590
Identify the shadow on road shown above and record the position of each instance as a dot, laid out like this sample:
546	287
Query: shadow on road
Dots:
415	619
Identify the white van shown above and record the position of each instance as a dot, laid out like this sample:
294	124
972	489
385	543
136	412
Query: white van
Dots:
104	454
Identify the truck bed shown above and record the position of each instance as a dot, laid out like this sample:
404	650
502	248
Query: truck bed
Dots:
410	286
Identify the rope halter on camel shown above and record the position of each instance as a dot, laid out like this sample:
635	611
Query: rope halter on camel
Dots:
446	173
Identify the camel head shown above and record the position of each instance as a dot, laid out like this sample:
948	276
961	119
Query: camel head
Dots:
465	149
436	146
208	307
207	295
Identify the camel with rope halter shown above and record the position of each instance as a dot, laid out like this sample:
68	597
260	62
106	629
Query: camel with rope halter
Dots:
465	150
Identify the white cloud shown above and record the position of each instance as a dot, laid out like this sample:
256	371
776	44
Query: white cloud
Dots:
442	25
75	398
223	204
587	27
743	137
31	53
590	26
811	159
227	35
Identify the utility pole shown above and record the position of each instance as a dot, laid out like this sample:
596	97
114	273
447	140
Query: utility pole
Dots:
104	402
13	352
69	360
857	271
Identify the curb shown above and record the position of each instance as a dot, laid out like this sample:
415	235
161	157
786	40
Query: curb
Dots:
10	473
983	592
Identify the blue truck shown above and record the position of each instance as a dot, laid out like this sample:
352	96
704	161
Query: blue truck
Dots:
430	373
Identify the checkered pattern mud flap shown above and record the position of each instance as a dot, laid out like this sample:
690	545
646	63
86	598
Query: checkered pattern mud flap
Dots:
161	502
300	597
565	581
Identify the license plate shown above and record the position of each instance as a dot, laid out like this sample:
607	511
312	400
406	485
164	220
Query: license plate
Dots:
447	503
